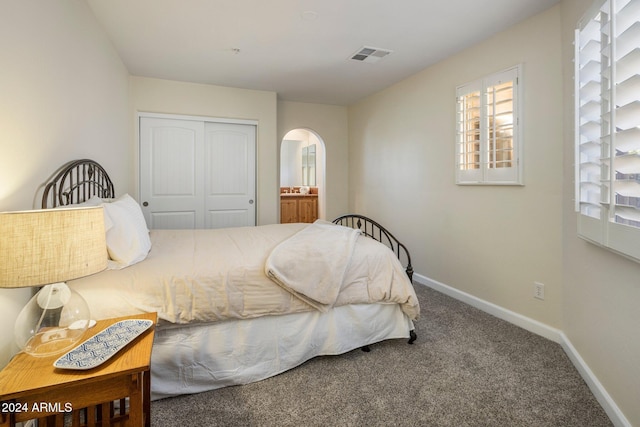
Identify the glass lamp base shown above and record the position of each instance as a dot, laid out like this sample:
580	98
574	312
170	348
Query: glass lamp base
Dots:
51	341
53	321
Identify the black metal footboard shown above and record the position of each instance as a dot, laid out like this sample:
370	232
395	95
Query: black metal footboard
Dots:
377	232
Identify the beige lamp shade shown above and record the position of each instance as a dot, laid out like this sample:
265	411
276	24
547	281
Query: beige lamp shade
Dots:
46	246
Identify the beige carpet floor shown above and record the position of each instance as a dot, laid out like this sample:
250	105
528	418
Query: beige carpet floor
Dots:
467	368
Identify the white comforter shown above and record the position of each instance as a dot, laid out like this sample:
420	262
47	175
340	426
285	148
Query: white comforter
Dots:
211	275
326	250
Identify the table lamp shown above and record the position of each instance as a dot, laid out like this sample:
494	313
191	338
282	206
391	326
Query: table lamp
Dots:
45	248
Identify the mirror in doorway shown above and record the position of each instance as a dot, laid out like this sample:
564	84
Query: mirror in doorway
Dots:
309	165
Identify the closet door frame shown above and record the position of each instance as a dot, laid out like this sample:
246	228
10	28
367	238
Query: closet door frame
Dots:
204	119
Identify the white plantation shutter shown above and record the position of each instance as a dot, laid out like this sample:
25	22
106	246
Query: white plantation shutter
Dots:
501	106
469	148
608	143
488	142
589	129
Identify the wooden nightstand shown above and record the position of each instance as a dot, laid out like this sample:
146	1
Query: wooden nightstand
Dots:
114	393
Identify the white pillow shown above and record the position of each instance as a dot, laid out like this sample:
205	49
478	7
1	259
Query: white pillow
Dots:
127	235
93	201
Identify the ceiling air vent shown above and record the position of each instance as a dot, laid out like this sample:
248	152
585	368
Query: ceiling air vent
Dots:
370	54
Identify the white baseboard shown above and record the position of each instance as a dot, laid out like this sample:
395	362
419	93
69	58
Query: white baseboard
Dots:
608	404
524	322
615	415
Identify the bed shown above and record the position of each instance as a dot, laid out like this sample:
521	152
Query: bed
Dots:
239	305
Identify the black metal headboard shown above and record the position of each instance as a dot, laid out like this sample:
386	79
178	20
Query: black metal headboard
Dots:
374	230
76	182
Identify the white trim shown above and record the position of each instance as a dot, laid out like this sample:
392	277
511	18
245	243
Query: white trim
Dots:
197	118
524	322
556	335
576	120
608	404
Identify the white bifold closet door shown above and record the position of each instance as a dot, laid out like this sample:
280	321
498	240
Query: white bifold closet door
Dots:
197	174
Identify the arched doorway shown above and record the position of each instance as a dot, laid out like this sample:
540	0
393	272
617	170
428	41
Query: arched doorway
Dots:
302	164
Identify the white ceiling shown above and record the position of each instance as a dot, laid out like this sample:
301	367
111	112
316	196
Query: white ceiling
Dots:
299	48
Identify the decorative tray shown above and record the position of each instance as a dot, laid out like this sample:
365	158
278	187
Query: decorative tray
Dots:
102	346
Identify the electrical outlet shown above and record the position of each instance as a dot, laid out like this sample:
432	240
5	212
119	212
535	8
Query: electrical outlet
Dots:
538	290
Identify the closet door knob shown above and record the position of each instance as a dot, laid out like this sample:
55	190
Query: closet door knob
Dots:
145	204
251	201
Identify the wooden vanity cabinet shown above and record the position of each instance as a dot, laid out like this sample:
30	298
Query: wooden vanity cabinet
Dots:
288	210
307	209
298	208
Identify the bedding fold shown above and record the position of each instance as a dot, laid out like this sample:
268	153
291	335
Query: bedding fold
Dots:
312	263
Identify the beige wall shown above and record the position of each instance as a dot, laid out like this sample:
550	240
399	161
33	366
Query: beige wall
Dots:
601	310
330	123
63	97
493	242
489	241
172	97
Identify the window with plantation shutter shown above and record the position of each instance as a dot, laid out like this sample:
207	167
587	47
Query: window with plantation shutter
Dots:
487	134
607	78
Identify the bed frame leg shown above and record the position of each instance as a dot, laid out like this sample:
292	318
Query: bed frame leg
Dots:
412	337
